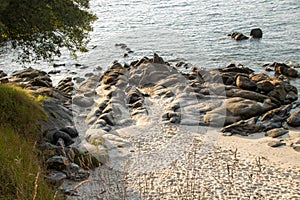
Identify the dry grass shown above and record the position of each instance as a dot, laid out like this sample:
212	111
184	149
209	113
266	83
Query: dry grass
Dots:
21	171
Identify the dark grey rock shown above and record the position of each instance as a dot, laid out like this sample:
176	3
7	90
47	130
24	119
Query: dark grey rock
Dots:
256	33
238	36
55	178
244	127
71	131
64	136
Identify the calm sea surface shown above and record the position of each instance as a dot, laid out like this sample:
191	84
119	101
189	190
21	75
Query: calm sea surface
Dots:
192	31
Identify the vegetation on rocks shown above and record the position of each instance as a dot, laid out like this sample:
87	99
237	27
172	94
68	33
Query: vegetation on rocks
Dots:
21	171
39	29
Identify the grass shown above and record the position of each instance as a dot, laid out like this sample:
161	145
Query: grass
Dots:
21	169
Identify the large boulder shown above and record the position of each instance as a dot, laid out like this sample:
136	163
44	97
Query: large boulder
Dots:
244	82
256	33
236	109
294	119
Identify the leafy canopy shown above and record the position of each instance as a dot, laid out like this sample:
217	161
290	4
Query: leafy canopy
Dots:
39	29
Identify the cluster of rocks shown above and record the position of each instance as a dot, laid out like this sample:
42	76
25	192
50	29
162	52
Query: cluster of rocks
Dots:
59	137
233	98
254	33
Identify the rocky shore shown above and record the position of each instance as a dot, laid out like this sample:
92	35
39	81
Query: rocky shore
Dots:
159	131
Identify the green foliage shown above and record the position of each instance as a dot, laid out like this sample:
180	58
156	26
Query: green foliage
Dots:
39	29
21	171
18	109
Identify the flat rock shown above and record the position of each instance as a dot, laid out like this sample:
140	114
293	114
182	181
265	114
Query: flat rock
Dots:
276	144
276	132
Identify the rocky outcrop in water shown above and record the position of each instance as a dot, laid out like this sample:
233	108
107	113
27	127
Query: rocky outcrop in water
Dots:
255	33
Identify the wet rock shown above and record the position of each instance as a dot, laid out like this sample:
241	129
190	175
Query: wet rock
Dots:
281	68
244	82
158	59
235	69
54	72
256	33
276	132
294	119
238	36
58	65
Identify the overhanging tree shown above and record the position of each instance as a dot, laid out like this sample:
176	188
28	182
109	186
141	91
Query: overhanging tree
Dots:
39	29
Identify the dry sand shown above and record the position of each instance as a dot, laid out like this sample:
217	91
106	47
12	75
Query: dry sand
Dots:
156	160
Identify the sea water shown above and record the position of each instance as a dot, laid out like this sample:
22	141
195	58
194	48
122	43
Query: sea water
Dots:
192	31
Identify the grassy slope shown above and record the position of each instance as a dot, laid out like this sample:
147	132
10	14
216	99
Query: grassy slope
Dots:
21	172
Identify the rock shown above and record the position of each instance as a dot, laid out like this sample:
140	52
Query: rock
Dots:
64	136
58	65
244	127
71	131
265	86
82	101
54	72
276	144
238	36
2	74
108	118
244	82
58	163
256	33
65	85
158	59
133	95
278	93
294	119
245	108
275	117
58	116
296	148
90	156
281	68
41	82
235	69
55	178
276	132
